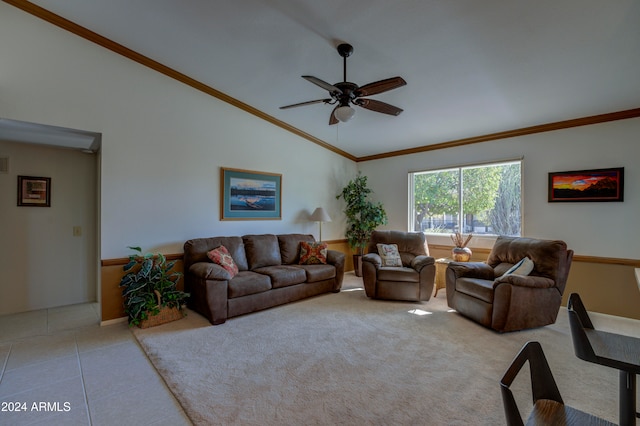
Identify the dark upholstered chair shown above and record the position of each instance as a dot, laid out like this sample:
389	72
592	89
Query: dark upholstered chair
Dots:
413	281
548	407
481	291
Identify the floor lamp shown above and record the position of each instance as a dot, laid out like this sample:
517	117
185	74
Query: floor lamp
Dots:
320	215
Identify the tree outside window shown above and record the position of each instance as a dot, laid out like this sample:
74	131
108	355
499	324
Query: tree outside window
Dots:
482	199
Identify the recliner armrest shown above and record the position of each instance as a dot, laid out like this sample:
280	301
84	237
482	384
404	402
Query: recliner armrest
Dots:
421	261
472	269
373	258
209	271
525	281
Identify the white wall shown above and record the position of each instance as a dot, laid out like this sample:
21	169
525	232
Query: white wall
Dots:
43	265
607	229
163	143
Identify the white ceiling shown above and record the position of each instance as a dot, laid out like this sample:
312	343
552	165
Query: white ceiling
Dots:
472	67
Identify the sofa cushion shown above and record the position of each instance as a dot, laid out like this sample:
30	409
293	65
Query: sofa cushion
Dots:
313	253
262	250
549	256
248	282
389	254
317	273
195	250
475	287
409	243
220	256
398	274
283	275
290	247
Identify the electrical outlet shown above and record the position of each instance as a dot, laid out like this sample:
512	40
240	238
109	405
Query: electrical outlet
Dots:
77	231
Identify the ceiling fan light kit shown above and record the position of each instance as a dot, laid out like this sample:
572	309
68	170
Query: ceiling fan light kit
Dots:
344	113
345	93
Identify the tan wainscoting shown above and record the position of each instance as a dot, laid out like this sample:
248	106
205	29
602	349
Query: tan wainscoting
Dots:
606	285
438	251
342	246
111	273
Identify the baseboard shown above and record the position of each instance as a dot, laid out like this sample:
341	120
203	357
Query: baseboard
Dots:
113	321
629	320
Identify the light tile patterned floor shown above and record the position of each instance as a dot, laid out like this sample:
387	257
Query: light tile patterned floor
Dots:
59	366
85	374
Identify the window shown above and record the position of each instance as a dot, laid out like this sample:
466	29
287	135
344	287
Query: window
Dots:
482	199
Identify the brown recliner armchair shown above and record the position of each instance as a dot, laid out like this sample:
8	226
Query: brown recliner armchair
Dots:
413	280
509	302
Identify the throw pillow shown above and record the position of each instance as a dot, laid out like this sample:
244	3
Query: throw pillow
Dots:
313	253
389	254
523	267
220	255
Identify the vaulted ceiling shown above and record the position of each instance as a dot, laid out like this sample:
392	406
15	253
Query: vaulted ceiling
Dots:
472	67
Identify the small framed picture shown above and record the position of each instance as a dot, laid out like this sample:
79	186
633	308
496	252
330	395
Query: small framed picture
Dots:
34	191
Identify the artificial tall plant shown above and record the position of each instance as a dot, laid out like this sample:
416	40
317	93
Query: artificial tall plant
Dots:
363	215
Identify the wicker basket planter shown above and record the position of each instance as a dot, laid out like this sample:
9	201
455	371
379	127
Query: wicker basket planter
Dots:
148	277
165	315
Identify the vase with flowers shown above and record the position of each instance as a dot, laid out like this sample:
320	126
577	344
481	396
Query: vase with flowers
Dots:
460	251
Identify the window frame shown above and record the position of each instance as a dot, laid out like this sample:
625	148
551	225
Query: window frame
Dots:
479	239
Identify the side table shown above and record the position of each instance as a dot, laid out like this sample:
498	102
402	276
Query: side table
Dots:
441	273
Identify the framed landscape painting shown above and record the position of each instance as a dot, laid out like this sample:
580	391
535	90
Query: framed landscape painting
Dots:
250	195
34	191
587	185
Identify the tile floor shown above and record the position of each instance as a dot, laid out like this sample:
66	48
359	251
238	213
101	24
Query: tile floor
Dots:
79	373
60	367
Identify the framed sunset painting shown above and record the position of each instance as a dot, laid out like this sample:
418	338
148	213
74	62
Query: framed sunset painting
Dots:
587	185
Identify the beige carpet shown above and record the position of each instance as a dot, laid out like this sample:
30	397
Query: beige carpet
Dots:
345	359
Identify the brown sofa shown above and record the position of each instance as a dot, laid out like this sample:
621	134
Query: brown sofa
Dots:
413	281
482	292
269	274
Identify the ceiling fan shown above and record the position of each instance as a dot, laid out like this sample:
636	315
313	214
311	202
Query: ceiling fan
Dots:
346	93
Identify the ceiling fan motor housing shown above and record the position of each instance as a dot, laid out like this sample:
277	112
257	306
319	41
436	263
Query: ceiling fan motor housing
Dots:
348	92
345	50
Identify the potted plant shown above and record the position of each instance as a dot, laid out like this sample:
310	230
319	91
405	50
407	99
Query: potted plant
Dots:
363	217
460	251
149	288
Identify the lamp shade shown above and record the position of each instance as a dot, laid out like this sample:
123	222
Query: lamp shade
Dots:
344	113
320	215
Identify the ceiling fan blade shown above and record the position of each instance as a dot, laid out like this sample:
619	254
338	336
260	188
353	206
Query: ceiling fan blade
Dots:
332	119
380	86
317	101
326	86
378	106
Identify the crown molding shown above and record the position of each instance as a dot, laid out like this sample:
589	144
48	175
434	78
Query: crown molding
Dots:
96	38
558	125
